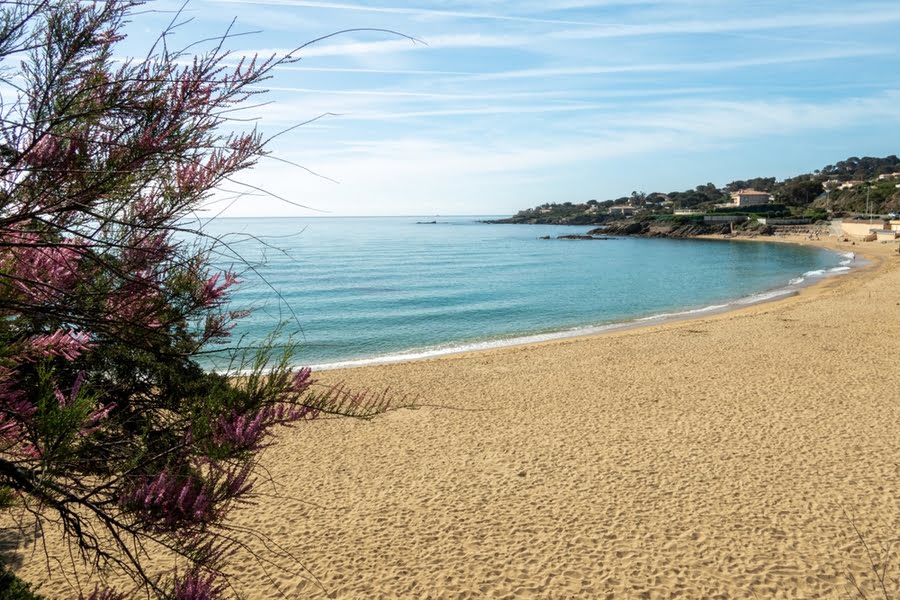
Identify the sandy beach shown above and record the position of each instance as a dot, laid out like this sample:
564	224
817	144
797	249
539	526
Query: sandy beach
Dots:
752	454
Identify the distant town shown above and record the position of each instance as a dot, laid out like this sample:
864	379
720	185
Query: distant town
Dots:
856	188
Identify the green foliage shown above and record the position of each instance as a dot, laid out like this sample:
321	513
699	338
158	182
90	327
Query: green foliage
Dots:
802	191
876	197
816	214
799	191
566	213
680	219
762	184
109	428
13	588
701	195
861	169
59	418
771	210
7	498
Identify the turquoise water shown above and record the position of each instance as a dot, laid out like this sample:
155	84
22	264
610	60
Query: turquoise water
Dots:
356	289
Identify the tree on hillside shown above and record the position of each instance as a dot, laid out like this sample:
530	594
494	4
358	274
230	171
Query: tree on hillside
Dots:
761	184
800	191
108	427
862	169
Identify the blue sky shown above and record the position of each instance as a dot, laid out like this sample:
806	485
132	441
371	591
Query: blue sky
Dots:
510	104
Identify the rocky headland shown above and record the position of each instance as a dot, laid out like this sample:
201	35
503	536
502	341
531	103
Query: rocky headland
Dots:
676	229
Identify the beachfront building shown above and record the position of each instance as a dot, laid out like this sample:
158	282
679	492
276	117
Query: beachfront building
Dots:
749	198
622	210
688	212
866	230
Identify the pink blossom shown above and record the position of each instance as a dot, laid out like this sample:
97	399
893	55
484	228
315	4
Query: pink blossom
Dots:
242	431
61	343
10	429
217	326
193	177
15	409
197	586
76	387
246	431
108	37
146	250
95	419
136	302
41	273
301	381
31	451
212	292
46	151
170	500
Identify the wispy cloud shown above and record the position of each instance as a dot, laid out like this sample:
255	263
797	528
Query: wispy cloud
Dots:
842	19
679	67
437	42
618	93
416	12
553	93
372	71
719	119
386	173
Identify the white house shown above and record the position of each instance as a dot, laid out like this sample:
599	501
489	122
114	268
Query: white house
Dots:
749	198
622	209
849	185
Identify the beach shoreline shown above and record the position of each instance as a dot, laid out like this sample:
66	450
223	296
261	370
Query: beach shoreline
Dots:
746	454
736	304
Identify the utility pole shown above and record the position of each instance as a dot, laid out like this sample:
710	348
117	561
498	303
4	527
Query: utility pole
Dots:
868	187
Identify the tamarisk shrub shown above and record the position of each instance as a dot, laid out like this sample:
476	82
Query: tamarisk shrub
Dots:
109	429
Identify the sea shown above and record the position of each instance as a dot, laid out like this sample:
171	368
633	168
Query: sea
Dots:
351	291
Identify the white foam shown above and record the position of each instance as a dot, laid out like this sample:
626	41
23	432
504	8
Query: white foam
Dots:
849	257
546	337
818	273
695	311
765	296
471	347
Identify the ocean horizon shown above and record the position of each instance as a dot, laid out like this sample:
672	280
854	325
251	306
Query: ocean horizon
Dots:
362	290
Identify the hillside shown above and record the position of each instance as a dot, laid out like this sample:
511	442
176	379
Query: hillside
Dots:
854	185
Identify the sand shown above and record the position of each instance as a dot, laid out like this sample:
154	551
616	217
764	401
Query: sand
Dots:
730	456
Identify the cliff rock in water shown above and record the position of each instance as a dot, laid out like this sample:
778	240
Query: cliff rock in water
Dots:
667	230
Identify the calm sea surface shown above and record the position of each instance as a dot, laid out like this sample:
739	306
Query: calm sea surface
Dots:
354	289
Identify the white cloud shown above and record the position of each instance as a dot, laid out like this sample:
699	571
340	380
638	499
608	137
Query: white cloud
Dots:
843	19
509	91
396	175
680	67
417	12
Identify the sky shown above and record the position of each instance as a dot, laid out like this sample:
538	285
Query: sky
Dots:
501	105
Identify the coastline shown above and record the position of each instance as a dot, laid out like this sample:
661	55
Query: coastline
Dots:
727	455
792	288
